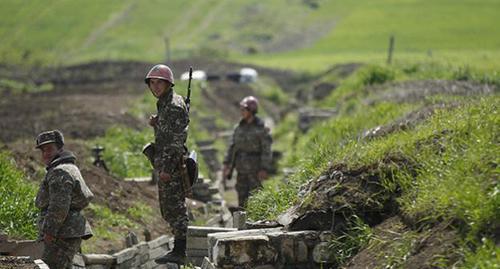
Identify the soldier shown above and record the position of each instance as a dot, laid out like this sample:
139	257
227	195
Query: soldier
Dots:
249	151
170	129
62	195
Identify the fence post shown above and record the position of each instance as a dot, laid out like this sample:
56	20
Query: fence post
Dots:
391	49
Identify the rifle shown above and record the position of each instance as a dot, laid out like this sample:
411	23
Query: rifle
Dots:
231	169
188	98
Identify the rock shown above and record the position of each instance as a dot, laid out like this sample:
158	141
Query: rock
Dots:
323	254
239	220
243	250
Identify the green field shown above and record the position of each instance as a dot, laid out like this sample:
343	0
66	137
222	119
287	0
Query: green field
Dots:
287	34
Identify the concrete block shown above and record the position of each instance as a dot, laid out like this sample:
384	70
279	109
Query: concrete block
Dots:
30	248
7	247
202	231
243	250
78	260
301	252
157	252
102	259
160	241
197	253
265	266
125	255
196	261
213	237
287	250
98	266
239	220
197	242
40	264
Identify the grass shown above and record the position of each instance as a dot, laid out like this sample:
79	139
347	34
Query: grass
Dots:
17	209
123	151
58	32
455	151
107	225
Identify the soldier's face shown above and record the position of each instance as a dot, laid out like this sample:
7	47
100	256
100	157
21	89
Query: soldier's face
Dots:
245	113
159	87
49	152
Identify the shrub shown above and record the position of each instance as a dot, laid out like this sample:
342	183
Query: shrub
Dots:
17	209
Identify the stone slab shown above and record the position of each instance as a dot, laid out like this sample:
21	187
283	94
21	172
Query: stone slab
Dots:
197	243
102	259
160	241
202	231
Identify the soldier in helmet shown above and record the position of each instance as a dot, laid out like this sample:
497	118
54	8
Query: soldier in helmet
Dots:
170	130
61	197
249	151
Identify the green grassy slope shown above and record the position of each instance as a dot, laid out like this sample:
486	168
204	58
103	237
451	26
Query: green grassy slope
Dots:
281	33
442	169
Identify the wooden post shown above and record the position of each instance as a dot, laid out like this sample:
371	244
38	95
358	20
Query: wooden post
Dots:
391	49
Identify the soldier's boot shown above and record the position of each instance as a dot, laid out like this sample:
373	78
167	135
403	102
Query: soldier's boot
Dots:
177	255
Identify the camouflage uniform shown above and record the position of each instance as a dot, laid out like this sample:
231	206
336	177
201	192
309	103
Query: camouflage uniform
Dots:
170	138
62	195
251	150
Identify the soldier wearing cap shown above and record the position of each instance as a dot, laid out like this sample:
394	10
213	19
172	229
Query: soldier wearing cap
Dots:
61	197
167	153
249	151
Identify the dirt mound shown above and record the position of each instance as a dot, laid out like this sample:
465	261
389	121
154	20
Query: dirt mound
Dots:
77	115
339	193
422	246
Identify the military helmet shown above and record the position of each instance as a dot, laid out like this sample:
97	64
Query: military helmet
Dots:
47	137
251	103
160	71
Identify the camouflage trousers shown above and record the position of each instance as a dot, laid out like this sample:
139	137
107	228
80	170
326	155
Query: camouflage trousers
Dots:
172	204
60	252
246	183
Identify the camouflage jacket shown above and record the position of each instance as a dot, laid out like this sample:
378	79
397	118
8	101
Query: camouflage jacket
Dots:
62	195
250	147
170	131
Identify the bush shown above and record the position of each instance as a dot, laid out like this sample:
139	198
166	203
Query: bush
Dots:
17	209
378	75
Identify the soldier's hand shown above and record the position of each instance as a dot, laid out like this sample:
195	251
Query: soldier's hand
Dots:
262	175
165	177
48	238
153	120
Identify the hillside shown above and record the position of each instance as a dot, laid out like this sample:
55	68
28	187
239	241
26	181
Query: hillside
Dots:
405	173
320	34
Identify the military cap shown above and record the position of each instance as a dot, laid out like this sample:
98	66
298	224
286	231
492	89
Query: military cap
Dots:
47	137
